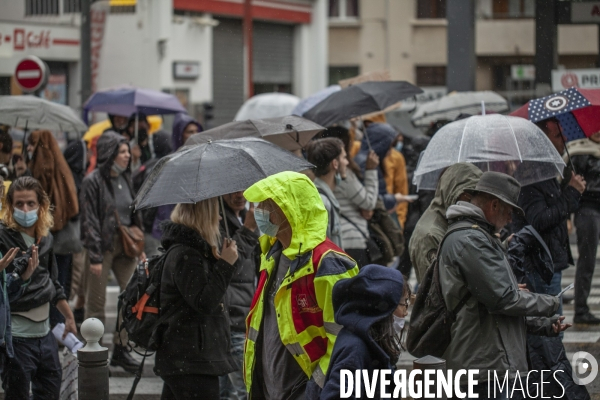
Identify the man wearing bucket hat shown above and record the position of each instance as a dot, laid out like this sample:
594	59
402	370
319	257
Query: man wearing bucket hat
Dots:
491	328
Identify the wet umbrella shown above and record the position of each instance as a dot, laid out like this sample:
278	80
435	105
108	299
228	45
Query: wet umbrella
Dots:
33	112
576	109
450	106
267	105
131	100
360	99
495	142
314	99
291	132
202	171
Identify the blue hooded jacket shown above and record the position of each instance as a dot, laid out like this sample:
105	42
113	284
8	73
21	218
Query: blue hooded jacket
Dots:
358	303
381	137
179	124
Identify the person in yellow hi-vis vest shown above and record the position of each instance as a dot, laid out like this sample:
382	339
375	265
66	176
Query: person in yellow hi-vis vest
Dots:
290	327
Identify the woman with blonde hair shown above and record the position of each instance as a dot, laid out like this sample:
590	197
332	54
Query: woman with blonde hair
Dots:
195	341
26	225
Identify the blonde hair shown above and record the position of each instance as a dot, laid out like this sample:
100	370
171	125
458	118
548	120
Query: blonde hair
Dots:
45	220
203	217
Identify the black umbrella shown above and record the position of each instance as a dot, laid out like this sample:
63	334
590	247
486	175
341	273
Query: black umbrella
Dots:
202	171
360	99
290	132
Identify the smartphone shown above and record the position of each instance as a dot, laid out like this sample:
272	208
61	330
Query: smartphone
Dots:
571	286
412	197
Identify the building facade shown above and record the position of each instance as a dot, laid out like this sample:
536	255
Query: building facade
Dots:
191	48
409	38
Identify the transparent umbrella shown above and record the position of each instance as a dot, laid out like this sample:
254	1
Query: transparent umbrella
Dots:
510	145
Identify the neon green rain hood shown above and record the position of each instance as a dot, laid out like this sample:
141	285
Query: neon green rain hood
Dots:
301	203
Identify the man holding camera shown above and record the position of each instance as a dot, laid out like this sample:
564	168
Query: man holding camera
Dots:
26	226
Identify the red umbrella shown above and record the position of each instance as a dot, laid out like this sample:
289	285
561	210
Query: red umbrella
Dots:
577	110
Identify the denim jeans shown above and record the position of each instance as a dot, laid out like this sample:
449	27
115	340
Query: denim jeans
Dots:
232	385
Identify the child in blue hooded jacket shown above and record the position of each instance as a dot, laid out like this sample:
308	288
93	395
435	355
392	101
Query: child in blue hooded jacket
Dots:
371	306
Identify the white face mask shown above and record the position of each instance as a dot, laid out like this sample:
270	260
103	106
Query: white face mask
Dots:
398	324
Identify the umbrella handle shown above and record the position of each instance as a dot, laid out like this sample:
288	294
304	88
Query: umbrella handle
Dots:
362	124
568	155
224	217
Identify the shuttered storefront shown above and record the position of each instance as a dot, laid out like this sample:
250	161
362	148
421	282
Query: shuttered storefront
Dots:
273	57
228	70
273	62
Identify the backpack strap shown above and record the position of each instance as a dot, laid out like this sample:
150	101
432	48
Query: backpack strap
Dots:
459	226
354	225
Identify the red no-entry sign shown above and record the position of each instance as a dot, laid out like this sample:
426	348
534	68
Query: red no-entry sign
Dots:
31	74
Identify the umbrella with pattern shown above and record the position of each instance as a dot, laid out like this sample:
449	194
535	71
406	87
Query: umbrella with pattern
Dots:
576	109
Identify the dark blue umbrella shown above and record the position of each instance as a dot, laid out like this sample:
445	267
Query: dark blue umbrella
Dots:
128	101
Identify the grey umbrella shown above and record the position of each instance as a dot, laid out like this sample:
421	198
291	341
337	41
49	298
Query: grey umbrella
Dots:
202	171
35	113
291	132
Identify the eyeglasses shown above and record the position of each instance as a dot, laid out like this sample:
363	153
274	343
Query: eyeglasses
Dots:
407	304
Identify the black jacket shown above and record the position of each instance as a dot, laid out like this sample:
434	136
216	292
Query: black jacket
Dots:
589	167
241	290
43	286
547	209
97	200
196	340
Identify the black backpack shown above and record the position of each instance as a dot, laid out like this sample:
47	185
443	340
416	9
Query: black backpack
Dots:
430	319
139	306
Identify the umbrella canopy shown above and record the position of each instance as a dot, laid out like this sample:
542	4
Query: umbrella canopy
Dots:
494	142
36	113
450	106
267	105
360	99
291	132
128	101
98	128
576	109
309	102
202	171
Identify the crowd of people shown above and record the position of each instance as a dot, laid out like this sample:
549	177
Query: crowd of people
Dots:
313	277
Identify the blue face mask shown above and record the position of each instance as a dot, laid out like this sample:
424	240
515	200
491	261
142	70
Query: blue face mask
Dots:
399	146
25	219
338	179
264	224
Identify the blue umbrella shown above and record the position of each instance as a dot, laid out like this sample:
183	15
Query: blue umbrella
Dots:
309	102
128	101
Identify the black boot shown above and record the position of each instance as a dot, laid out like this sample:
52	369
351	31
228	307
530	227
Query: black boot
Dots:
122	358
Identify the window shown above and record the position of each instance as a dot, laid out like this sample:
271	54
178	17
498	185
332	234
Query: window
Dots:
71	6
343	9
41	7
337	74
431	76
431	9
513	9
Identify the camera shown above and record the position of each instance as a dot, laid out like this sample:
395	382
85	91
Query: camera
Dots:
20	263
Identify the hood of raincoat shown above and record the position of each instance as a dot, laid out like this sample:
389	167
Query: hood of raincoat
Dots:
366	298
433	224
107	149
301	203
180	122
381	137
161	143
